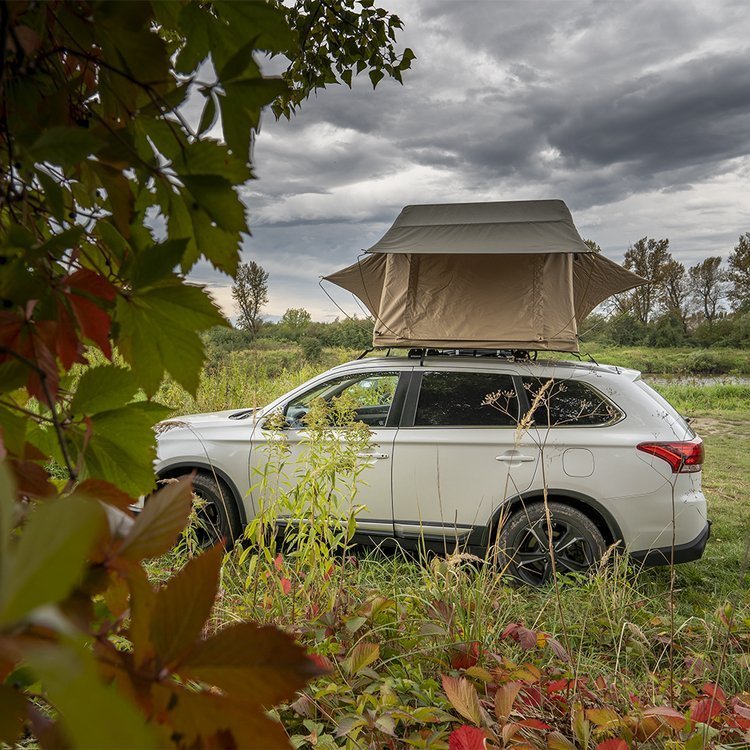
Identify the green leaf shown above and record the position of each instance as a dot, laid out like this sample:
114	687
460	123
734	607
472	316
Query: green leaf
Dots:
246	660
65	146
208	118
93	713
163	517
216	196
53	195
376	76
102	388
13	712
13	430
184	604
122	447
263	22
158	331
208	158
195	22
361	656
7	512
50	556
156	262
221	248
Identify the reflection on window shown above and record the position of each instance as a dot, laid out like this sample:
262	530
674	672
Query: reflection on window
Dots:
370	394
466	399
567	403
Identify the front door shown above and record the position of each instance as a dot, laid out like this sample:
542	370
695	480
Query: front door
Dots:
372	396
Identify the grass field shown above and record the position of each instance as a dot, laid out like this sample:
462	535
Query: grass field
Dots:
392	627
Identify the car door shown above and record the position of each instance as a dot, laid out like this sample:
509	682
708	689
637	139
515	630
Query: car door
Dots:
376	397
458	453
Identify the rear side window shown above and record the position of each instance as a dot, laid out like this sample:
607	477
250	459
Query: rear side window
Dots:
466	399
568	403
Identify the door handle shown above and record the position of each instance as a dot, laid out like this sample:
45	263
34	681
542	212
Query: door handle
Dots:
511	459
372	455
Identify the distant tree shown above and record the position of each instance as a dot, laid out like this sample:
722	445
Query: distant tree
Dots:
593	246
648	258
739	273
295	322
250	293
675	291
706	281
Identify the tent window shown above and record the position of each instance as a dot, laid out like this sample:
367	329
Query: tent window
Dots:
466	399
569	403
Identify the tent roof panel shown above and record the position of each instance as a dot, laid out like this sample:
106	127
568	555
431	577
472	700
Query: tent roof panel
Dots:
488	228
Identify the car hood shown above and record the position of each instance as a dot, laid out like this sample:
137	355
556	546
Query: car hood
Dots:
227	418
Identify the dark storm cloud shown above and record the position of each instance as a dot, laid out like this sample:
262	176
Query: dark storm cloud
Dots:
636	114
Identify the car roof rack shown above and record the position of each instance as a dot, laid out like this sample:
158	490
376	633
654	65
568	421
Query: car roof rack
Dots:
517	355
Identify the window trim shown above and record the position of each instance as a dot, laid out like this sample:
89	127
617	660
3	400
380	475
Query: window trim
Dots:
399	393
409	414
621	415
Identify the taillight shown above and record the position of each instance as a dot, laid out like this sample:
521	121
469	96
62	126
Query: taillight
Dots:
682	456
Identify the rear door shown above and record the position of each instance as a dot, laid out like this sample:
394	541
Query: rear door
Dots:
458	454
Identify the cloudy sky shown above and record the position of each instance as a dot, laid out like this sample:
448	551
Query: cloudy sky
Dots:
636	114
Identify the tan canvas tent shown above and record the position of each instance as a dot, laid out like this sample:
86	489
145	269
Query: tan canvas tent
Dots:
510	275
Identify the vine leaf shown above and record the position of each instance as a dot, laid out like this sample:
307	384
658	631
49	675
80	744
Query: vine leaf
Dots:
163	517
252	662
50	556
184	604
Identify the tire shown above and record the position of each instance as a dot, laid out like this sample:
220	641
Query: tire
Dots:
523	540
216	512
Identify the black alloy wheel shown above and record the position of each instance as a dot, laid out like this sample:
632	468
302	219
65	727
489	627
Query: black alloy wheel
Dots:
576	545
216	515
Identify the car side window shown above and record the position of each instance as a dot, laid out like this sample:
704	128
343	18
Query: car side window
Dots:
370	394
568	403
466	399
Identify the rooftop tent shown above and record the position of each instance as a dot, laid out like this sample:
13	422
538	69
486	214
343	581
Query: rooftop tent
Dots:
510	275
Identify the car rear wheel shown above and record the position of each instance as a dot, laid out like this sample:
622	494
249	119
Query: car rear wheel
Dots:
216	515
524	540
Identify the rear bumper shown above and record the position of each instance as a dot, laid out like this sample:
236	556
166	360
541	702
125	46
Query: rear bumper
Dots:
682	553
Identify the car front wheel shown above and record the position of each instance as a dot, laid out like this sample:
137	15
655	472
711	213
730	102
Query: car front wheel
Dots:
216	516
576	543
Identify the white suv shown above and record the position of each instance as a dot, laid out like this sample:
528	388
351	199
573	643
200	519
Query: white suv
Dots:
464	449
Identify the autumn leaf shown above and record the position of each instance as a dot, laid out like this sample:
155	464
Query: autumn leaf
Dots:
467	738
505	698
250	661
361	656
613	744
163	517
668	715
463	697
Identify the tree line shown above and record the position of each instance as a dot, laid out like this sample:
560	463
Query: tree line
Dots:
705	304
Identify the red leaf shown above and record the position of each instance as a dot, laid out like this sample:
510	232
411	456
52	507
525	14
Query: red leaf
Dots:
533	724
464	655
613	744
90	282
523	636
32	479
69	348
93	321
278	562
704	709
712	690
668	715
467	738
286	585
106	492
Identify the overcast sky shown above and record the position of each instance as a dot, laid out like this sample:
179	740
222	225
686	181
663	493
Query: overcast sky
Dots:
636	114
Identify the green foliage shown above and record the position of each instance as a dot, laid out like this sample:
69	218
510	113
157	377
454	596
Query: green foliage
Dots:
340	38
95	153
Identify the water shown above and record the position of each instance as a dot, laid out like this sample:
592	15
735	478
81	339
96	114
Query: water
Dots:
697	379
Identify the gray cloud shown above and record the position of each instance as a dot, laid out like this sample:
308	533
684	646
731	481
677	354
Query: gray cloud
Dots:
636	114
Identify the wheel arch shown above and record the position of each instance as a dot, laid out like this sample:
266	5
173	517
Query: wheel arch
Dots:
180	469
593	509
